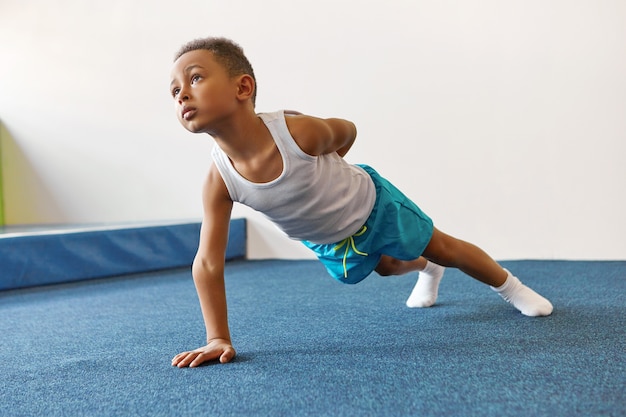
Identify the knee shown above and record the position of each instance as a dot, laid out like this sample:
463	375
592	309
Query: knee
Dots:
387	267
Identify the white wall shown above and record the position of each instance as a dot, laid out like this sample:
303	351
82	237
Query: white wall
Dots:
504	120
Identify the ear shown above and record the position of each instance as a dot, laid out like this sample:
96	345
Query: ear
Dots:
245	87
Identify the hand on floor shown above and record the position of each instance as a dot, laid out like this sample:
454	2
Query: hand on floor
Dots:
216	349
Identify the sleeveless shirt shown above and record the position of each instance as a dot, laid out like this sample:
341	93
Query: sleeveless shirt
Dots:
322	199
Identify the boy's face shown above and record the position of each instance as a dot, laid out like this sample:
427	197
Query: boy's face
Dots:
203	91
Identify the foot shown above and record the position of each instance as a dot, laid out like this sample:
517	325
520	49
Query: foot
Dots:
523	298
426	289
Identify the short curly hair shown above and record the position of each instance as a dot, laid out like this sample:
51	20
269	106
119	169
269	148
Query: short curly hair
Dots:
227	53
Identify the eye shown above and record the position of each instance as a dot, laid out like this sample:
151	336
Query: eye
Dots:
195	78
175	92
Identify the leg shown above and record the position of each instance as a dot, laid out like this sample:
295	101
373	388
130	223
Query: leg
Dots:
448	251
426	289
451	252
392	266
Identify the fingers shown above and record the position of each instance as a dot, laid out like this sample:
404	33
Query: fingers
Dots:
184	359
197	357
192	359
228	355
200	359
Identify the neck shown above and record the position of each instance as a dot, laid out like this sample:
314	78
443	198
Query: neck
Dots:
241	136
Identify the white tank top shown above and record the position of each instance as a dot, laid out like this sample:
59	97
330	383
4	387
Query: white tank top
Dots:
322	199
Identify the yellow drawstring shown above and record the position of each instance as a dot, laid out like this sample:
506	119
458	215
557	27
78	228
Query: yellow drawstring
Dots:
349	243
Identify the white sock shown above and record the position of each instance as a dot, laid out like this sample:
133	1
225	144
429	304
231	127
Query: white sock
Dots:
425	292
523	298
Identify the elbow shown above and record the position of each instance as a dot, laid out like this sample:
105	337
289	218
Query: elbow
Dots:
203	268
350	138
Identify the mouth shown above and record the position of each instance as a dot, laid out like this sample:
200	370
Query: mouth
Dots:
187	113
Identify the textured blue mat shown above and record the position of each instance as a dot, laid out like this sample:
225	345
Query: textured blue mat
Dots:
34	257
310	346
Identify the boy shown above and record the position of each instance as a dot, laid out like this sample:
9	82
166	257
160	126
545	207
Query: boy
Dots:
291	168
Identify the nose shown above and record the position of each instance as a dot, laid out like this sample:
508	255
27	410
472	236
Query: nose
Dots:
183	95
182	98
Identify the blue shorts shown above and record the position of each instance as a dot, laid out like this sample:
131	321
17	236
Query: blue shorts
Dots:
396	227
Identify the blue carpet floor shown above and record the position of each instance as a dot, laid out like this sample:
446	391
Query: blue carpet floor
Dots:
310	346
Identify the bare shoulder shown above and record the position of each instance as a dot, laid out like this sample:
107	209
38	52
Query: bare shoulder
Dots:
214	191
217	207
308	132
317	136
298	124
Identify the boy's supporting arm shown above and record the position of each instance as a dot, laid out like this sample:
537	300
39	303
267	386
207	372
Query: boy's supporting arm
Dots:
208	275
317	136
